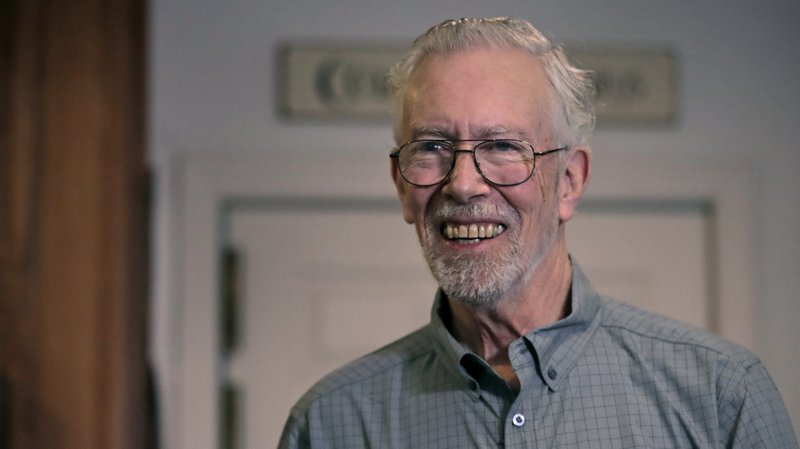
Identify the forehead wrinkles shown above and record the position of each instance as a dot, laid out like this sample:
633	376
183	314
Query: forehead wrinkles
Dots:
540	128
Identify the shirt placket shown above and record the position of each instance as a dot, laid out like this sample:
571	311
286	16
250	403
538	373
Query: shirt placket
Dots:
520	418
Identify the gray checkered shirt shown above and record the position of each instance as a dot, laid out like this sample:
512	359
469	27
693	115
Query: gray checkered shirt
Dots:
607	376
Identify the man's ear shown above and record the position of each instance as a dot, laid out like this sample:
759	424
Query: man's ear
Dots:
402	191
577	169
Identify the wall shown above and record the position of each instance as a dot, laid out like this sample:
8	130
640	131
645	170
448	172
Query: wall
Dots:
213	92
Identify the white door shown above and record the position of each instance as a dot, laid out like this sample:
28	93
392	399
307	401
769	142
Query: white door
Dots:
321	287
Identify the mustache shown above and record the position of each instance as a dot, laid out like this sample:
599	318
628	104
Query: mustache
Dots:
479	210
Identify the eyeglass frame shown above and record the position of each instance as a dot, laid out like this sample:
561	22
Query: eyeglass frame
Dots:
454	143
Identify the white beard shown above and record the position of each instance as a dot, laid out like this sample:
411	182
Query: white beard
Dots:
482	280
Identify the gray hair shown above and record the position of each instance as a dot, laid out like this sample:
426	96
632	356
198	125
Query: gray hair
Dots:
573	88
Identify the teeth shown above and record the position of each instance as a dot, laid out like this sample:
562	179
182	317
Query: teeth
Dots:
473	231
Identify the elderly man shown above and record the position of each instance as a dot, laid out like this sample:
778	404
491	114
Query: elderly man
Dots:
491	123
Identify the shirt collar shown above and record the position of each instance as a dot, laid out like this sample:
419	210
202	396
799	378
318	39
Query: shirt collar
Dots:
557	347
449	350
560	345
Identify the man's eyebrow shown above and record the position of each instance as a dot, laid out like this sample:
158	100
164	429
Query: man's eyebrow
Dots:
498	131
430	132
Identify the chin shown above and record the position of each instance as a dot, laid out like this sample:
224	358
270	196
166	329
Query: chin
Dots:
477	281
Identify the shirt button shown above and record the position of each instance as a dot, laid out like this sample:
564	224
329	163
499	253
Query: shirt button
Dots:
518	420
552	373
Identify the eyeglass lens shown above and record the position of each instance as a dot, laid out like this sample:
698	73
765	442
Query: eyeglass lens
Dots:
503	162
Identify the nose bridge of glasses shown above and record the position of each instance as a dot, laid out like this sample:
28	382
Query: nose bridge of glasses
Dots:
469	153
471	164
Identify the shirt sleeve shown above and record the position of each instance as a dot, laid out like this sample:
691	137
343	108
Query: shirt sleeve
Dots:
754	415
295	434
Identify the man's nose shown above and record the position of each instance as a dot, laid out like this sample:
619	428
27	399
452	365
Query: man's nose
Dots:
465	181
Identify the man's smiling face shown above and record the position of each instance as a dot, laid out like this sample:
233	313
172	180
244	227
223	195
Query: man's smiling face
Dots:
482	241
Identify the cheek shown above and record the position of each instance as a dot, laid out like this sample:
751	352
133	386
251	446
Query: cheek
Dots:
537	207
407	195
408	214
414	203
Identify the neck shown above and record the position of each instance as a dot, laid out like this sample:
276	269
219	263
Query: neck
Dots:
488	332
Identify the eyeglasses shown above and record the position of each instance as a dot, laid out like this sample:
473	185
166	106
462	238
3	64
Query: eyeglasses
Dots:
502	162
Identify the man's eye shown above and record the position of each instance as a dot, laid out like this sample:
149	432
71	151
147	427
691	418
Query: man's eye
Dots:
504	145
432	146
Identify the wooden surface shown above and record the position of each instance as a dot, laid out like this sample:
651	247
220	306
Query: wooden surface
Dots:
72	225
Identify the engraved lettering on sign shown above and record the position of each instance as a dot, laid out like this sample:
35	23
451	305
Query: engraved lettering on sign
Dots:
338	81
634	86
625	87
